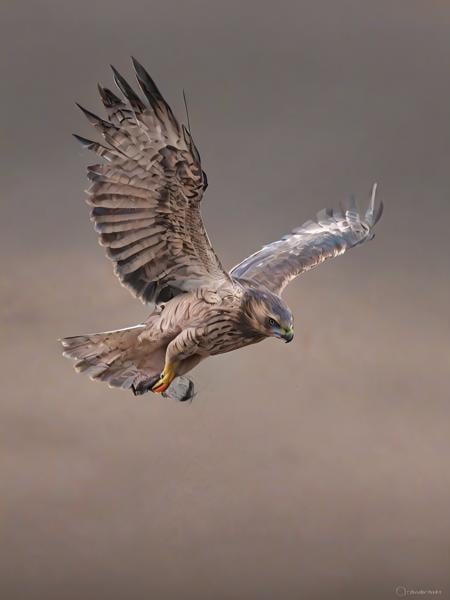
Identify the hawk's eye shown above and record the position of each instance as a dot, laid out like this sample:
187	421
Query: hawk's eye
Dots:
272	323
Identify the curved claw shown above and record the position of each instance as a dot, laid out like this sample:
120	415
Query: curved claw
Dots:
165	379
160	386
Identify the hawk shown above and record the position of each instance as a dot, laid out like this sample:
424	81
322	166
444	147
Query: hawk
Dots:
145	200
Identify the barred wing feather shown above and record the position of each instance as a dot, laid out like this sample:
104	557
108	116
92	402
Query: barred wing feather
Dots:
146	197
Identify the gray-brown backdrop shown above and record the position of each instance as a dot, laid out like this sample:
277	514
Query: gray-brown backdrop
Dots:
314	470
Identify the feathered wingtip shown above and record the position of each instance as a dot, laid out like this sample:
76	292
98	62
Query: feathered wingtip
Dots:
108	97
146	83
135	102
375	210
350	211
103	151
95	120
134	108
153	94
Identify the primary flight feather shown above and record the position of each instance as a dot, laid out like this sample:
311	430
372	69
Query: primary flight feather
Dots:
145	203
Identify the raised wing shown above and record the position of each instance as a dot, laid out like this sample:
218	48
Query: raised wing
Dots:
146	197
332	233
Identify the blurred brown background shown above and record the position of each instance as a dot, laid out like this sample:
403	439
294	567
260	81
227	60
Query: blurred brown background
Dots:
317	470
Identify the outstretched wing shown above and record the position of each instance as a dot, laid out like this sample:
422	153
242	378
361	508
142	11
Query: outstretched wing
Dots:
330	235
146	197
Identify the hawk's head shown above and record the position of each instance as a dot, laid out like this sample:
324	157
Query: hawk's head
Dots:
266	314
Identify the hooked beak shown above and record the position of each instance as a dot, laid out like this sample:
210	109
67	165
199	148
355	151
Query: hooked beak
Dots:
288	335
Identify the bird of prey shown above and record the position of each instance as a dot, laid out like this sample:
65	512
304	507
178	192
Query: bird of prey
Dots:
145	201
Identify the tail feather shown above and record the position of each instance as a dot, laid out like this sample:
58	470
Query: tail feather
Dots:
112	356
119	359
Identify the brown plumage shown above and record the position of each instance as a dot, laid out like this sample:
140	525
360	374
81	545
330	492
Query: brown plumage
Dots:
145	203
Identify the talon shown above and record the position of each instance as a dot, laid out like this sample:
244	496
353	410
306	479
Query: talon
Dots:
165	379
160	387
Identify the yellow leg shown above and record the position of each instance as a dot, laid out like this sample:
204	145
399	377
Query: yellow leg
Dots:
166	378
